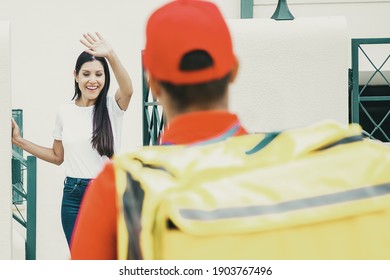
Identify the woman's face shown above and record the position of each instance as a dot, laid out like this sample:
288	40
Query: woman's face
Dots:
91	79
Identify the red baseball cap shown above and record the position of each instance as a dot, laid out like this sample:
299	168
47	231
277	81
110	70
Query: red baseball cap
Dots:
183	26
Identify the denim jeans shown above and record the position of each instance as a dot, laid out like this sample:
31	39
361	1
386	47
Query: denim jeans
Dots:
74	189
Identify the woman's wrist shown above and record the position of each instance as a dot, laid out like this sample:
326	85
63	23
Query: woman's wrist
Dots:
18	141
111	55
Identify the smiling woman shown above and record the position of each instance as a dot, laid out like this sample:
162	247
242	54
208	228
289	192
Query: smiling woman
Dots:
91	80
87	128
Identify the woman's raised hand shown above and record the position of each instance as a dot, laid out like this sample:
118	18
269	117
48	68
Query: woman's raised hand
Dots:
96	44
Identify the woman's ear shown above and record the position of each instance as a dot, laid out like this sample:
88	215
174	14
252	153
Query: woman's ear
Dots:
75	76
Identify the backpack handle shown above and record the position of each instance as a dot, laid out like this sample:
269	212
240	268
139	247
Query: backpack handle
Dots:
269	137
317	145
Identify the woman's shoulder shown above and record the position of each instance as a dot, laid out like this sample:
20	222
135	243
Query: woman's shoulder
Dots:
66	106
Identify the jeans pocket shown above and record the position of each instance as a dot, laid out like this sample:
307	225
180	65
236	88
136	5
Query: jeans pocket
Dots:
75	185
70	187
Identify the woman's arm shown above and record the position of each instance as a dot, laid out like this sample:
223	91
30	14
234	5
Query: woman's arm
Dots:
98	46
53	155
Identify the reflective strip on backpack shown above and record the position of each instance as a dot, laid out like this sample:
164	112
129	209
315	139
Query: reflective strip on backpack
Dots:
297	204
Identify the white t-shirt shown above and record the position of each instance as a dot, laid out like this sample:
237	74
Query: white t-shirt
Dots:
74	126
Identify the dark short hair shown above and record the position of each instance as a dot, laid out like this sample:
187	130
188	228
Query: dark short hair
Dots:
202	94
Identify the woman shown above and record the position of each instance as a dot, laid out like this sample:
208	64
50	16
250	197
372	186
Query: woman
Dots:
88	128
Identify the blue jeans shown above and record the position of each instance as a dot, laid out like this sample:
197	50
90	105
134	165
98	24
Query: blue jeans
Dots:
74	189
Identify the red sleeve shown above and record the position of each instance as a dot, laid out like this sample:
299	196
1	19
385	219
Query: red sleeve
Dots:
94	236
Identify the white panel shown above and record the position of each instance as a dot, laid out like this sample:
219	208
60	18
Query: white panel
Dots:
293	73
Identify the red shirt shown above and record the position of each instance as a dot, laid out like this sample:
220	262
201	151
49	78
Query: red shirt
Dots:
95	234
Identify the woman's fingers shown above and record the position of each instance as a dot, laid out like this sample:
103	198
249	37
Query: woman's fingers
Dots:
13	123
89	39
93	38
99	36
85	43
95	43
15	129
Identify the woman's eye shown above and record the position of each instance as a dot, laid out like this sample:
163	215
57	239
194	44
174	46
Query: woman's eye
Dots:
99	74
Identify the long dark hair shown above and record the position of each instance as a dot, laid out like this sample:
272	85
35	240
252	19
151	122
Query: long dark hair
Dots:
102	136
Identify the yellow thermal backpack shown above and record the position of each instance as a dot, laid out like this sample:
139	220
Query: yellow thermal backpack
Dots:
319	192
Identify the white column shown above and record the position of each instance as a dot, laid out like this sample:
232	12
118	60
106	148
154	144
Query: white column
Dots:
5	144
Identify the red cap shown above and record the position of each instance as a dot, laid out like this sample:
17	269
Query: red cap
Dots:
183	26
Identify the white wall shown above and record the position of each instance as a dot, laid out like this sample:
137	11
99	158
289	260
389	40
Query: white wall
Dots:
5	143
44	43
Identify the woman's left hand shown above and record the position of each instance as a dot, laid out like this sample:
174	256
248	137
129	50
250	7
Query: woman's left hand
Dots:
96	44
